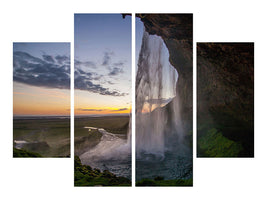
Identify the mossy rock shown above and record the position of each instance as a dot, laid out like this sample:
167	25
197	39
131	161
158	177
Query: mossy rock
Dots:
214	144
84	175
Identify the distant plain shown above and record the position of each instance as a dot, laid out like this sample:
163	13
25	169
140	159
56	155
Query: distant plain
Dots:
47	136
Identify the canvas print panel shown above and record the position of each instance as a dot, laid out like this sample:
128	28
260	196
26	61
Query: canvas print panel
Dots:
102	99
164	100
225	99
41	99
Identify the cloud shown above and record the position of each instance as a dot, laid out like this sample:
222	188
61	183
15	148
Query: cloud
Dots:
62	59
116	68
100	110
85	78
107	58
88	109
119	64
87	75
115	71
78	63
121	109
110	82
85	81
48	58
46	72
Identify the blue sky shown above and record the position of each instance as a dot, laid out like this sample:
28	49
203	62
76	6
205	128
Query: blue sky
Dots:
41	75
95	33
102	52
38	49
139	28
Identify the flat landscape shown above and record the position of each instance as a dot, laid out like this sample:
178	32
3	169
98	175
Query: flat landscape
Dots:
85	139
100	134
47	136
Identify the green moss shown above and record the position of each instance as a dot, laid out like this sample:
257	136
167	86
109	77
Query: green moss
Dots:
18	153
156	182
84	175
214	144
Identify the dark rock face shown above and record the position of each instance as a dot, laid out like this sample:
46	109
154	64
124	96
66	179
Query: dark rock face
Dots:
225	91
171	26
177	32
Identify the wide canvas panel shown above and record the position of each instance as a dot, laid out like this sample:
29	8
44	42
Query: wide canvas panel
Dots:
164	94
102	82
41	99
225	99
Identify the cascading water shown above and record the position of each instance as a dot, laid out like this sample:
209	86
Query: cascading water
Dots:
159	132
112	153
155	87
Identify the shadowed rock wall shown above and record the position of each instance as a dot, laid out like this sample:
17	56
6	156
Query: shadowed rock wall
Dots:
225	91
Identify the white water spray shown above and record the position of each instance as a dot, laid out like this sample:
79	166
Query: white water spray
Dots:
112	153
155	88
111	146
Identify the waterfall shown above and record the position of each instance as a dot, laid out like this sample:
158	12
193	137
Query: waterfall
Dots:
156	81
112	153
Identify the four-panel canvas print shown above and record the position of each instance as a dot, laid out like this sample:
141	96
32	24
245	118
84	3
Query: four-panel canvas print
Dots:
103	114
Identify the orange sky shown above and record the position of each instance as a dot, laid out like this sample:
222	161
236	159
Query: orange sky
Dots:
104	111
31	100
88	103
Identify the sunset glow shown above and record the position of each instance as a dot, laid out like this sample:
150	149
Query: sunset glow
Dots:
30	100
41	75
102	75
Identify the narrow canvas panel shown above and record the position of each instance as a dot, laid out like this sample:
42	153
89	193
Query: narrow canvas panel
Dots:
225	99
41	99
102	81
164	94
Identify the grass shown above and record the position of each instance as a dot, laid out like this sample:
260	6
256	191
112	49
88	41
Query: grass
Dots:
52	135
84	175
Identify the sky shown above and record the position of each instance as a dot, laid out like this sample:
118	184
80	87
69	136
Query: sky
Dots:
139	29
102	53
41	79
